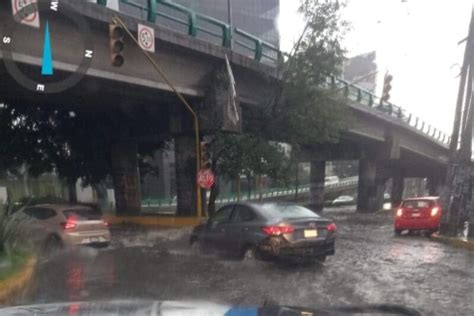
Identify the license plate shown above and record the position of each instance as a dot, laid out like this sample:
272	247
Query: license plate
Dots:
95	239
415	215
310	233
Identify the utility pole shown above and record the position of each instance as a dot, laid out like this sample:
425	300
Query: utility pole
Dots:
466	156
230	20
457	192
462	83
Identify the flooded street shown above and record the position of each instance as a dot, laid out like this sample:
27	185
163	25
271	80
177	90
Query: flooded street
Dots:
371	266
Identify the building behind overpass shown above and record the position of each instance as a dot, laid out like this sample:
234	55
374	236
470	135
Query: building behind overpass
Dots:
358	69
256	17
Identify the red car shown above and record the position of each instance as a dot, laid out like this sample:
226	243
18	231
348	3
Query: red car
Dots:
421	213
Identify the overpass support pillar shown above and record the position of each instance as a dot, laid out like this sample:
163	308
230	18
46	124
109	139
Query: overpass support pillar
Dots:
371	187
434	185
185	165
316	194
126	178
398	186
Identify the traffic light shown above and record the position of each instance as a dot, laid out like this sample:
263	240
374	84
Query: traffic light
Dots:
206	157
387	86
117	34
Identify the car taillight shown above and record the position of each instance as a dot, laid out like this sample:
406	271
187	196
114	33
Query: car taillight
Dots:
331	227
278	230
106	224
70	224
434	211
399	212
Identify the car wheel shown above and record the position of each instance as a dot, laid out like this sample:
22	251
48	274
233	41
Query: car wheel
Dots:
428	233
249	253
398	232
52	245
102	245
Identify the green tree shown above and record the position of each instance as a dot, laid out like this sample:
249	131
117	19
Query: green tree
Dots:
75	144
301	112
245	154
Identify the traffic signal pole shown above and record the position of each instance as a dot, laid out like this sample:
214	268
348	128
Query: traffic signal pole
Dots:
118	20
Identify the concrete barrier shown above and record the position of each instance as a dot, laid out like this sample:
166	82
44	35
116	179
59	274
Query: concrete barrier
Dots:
154	221
455	242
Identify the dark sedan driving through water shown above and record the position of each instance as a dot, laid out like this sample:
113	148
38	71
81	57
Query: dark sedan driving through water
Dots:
267	230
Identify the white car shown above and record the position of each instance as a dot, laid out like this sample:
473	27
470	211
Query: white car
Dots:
343	199
331	180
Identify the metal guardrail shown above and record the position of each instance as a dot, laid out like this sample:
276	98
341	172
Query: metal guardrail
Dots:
260	50
367	98
270	193
154	11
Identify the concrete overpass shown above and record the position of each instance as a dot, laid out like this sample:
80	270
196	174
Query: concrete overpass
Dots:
388	141
193	65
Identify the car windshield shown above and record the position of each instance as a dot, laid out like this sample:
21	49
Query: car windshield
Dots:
417	204
287	211
83	214
307	153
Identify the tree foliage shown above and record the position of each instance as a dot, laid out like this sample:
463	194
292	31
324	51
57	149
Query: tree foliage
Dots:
303	113
246	154
46	140
73	143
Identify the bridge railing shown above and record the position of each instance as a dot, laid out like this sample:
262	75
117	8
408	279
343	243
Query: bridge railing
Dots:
180	18
266	193
177	17
367	98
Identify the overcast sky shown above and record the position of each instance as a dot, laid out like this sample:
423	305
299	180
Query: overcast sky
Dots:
415	40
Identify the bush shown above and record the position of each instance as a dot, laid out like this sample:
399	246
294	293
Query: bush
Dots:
11	264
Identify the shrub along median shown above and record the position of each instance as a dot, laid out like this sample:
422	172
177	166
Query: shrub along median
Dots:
9	265
16	272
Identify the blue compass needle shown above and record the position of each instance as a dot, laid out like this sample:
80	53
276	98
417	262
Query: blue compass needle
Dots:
47	67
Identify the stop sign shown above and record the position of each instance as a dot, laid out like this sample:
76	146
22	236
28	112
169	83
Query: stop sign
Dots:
206	178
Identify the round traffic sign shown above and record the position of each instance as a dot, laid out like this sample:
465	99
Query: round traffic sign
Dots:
146	38
206	178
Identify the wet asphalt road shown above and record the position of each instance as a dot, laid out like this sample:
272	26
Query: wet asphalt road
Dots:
371	266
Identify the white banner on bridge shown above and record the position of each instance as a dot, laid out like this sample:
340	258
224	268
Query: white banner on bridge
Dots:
146	37
32	19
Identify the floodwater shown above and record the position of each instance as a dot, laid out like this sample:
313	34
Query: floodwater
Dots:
371	266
